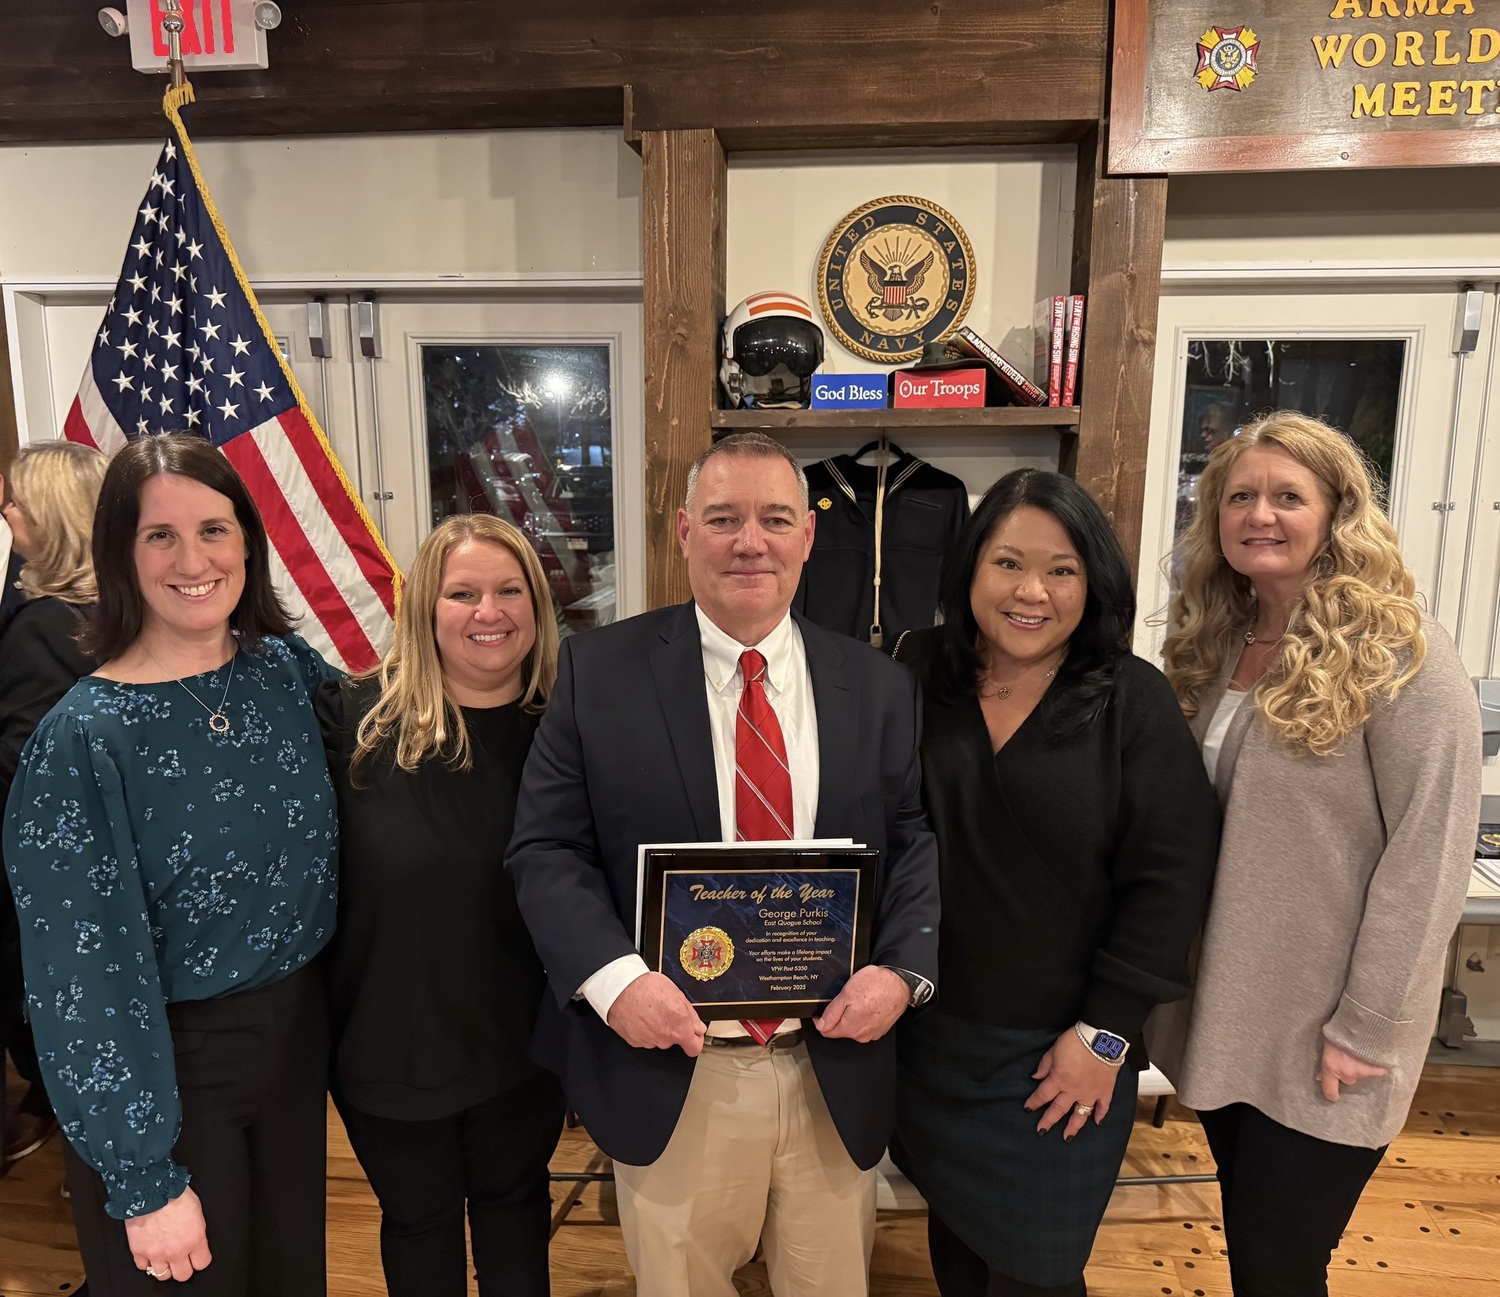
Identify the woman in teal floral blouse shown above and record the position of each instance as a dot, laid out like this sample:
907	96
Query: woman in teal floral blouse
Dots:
171	840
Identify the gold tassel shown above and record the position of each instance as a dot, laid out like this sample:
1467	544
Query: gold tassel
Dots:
176	97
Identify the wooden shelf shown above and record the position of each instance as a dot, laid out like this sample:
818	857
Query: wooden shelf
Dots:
989	419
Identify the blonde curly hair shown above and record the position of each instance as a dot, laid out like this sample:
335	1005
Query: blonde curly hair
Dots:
414	714
1355	637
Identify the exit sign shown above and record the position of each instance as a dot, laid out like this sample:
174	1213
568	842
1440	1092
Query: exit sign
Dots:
216	34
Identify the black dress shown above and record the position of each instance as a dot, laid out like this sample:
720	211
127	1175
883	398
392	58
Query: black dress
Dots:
434	987
1075	872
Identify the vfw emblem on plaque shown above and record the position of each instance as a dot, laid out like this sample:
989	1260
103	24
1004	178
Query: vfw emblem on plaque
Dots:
1226	58
895	273
706	953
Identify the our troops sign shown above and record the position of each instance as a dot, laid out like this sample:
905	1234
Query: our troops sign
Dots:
1271	85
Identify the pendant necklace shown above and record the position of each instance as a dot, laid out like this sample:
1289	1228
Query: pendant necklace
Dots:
218	722
1003	692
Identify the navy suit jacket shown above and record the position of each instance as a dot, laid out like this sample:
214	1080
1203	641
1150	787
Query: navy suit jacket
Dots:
625	755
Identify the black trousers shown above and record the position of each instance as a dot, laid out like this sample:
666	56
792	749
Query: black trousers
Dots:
15	1030
252	1073
491	1158
962	1272
1287	1199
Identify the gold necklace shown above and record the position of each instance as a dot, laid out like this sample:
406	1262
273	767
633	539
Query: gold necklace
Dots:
1251	638
1003	692
218	722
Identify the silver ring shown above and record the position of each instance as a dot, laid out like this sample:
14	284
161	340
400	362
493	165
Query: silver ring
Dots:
1084	1109
159	1274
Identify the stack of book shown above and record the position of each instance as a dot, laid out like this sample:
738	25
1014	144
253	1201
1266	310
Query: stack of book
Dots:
1058	335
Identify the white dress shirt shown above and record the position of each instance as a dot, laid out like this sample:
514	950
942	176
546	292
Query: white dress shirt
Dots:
788	686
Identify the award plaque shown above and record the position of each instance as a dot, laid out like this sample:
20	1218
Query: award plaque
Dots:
757	931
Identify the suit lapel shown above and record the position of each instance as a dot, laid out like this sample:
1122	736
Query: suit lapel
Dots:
677	666
836	701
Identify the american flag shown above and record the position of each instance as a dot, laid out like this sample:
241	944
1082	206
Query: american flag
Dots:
184	348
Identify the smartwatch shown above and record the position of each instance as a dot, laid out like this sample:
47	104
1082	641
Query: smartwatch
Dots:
1103	1045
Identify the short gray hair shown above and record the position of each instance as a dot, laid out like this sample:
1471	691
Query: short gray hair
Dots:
746	443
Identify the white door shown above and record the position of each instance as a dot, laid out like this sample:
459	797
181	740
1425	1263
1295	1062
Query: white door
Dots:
1379	364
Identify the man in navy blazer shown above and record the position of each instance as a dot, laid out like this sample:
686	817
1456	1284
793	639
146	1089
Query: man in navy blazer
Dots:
721	1142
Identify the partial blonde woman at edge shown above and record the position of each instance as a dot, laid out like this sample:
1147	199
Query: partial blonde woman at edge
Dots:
54	488
434	984
1341	732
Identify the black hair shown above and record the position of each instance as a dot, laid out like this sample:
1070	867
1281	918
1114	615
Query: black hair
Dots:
1086	679
118	616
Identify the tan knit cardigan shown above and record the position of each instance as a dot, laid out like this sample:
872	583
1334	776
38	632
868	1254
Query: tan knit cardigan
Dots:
1340	883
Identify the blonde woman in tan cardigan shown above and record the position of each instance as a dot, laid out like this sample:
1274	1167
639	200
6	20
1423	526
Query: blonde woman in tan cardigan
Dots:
1341	732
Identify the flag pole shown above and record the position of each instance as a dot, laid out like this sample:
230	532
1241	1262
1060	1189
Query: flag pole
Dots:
181	90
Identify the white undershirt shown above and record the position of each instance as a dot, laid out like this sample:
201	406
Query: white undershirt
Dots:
1218	727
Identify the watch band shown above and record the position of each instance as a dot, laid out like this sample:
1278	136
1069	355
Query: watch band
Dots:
1089	1035
920	988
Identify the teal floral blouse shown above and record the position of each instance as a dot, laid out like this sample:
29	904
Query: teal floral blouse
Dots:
153	861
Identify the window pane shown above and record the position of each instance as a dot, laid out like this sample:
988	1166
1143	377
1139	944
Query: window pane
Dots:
525	433
1354	384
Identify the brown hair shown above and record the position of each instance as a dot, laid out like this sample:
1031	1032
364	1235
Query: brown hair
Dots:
117	621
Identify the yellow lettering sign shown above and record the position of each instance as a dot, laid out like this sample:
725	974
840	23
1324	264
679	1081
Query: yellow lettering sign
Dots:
1347	9
1369	103
1404	98
1383	9
1331	49
1408	45
1451	6
1474	89
1440	98
1372	45
1484	44
1440	49
1421	8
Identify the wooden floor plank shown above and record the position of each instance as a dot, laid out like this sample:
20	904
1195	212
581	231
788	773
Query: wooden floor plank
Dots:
1428	1225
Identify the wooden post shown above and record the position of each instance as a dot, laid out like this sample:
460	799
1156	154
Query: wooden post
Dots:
1119	224
682	263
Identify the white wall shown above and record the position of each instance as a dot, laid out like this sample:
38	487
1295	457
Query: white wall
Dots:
1016	206
481	202
1419	215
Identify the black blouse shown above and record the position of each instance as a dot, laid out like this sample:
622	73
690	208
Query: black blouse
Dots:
434	984
1075	871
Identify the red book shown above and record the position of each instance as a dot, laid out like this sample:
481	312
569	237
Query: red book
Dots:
1075	346
1048	344
937	388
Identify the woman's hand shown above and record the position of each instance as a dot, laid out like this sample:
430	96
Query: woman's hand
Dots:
1340	1067
1070	1075
172	1242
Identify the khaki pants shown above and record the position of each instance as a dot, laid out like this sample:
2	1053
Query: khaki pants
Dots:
754	1158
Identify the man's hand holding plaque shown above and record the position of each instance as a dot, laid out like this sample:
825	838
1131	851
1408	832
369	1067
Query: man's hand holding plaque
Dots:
651	1013
867	1007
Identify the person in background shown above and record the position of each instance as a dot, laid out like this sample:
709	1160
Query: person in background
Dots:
54	487
1341	731
1076	838
433	980
171	839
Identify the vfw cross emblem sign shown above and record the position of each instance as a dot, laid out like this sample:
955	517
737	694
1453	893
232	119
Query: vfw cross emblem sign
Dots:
1226	58
895	273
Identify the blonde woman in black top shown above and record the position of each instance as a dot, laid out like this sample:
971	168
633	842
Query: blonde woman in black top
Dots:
54	488
1076	838
434	983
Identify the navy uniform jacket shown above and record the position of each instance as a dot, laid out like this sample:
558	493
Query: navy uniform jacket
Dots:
623	756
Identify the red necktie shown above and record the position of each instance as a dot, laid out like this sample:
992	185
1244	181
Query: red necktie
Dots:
762	782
